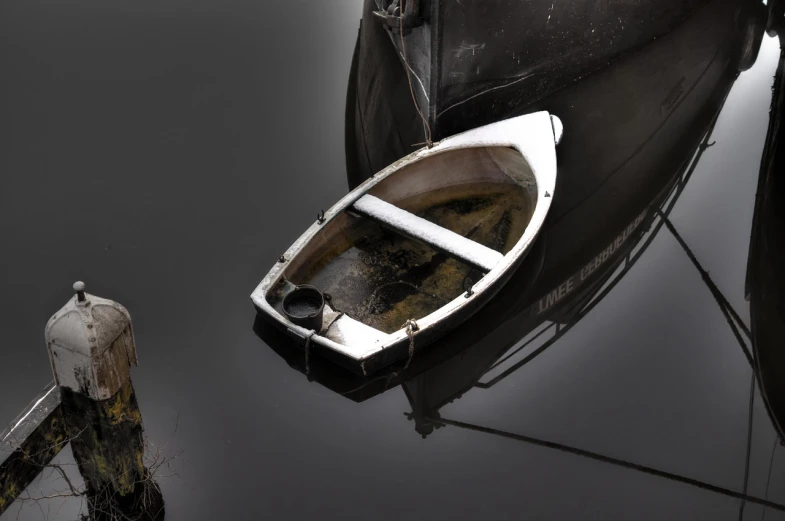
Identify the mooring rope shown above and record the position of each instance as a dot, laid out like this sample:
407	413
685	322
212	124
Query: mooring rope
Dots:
411	328
426	126
768	480
308	352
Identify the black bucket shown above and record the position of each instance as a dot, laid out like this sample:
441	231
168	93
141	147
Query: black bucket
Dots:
304	306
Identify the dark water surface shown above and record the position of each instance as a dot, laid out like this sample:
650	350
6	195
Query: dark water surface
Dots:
168	152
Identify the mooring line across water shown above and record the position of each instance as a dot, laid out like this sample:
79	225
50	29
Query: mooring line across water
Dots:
613	461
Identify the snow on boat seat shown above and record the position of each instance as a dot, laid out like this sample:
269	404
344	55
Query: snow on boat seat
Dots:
432	234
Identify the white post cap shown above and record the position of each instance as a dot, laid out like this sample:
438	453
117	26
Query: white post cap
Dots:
91	345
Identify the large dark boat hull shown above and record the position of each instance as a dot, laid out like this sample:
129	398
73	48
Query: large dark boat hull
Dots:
631	130
470	63
627	125
766	264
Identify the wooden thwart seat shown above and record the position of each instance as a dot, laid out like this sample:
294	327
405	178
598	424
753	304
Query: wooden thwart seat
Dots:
440	238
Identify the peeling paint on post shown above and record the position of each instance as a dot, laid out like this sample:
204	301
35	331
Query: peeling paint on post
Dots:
91	345
91	348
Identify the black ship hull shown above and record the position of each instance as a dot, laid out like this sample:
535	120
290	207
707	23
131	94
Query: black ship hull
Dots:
471	63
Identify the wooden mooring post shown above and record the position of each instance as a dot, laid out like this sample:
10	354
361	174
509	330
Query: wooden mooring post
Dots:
93	407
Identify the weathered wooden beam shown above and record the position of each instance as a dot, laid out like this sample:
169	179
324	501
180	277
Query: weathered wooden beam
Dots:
107	440
30	443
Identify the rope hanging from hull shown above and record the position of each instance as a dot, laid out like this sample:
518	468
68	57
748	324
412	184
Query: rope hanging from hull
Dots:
411	328
308	352
426	126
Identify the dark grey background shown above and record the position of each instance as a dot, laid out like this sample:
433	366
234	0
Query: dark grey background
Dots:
167	152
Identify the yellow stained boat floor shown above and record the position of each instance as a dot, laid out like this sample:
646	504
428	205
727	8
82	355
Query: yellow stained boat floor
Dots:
383	279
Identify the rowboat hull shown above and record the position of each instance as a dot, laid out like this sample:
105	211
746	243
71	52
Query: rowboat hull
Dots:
515	156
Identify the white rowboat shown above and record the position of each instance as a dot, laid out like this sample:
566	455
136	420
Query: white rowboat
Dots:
418	248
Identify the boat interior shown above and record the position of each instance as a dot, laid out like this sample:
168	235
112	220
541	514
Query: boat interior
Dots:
417	239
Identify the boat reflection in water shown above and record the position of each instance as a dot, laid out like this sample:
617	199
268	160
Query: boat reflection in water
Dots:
634	132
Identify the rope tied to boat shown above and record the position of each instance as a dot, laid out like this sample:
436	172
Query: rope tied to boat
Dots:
411	329
426	126
308	352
